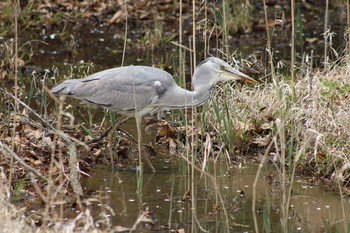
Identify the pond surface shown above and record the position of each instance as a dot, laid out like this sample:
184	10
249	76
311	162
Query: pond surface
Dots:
312	208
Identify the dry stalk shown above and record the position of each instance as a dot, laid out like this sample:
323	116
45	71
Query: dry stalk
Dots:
11	154
325	31
16	9
292	51
269	48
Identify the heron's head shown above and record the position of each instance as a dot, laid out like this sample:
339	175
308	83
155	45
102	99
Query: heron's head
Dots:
213	70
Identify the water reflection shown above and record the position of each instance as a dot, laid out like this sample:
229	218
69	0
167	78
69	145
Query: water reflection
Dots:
163	193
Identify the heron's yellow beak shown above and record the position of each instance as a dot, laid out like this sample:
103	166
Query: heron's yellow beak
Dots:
240	76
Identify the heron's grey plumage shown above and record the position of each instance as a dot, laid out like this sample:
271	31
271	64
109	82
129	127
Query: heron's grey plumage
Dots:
141	89
138	90
121	89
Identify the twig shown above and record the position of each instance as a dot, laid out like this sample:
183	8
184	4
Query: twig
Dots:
256	179
65	136
119	122
74	167
11	154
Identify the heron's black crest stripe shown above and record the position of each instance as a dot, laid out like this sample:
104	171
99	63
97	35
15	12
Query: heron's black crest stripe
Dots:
90	80
202	62
104	105
58	92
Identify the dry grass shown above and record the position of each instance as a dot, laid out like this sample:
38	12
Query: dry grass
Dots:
315	111
14	219
11	220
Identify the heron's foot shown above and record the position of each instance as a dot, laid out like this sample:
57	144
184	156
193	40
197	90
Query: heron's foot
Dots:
148	150
147	153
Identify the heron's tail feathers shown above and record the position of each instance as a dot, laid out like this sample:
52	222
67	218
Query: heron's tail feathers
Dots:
68	87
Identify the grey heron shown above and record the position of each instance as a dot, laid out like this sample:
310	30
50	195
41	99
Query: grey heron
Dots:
138	90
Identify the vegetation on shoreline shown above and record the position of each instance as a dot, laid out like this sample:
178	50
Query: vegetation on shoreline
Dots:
312	116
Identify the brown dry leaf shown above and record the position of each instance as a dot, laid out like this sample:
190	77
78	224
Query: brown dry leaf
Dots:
98	152
312	40
20	62
87	137
17	139
121	229
151	128
144	14
54	170
32	133
17	118
270	23
147	219
261	142
172	145
180	230
166	130
116	17
33	160
47	141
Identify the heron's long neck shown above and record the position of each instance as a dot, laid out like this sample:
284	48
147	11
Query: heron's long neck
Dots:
201	95
177	97
202	87
202	83
195	98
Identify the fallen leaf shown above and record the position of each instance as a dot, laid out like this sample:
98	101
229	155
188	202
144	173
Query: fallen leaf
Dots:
116	17
33	160
54	170
166	130
98	152
32	133
172	145
47	141
121	229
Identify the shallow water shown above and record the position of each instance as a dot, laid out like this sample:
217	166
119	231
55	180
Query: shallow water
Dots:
313	209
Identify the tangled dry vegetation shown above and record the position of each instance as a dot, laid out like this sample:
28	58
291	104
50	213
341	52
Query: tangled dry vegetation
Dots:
107	11
309	122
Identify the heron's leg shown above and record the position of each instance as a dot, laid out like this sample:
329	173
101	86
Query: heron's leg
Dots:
110	133
110	145
112	128
139	139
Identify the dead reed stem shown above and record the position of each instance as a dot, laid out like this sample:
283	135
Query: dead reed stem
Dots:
193	157
15	7
292	50
206	28
348	22
269	49
125	32
181	66
226	49
215	184
325	35
256	179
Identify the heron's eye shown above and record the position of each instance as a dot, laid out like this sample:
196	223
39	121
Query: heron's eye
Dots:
222	67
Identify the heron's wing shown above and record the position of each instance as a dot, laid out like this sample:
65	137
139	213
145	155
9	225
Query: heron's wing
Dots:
121	89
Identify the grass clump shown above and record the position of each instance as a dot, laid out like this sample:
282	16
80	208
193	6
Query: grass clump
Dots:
14	219
314	114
